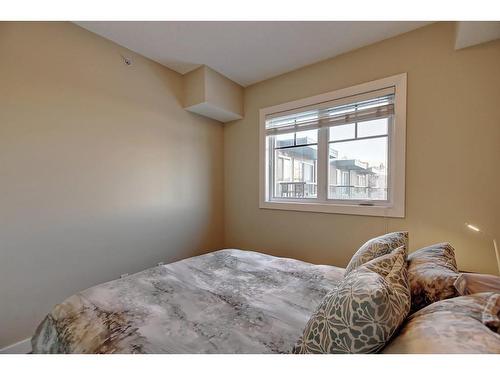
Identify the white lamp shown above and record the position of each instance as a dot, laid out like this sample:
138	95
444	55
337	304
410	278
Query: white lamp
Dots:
476	229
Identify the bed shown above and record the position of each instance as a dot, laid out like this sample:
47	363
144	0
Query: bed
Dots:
228	301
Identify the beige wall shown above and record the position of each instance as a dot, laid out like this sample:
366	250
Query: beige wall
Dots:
102	171
223	92
194	87
453	152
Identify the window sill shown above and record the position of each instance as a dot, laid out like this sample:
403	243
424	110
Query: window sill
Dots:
335	208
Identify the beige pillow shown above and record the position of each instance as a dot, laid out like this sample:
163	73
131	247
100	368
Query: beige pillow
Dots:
471	283
362	313
457	325
376	247
432	272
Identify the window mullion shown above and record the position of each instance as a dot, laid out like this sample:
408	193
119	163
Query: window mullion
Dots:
271	161
322	185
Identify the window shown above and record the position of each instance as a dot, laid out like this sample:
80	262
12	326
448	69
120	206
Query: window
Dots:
363	155
298	179
340	152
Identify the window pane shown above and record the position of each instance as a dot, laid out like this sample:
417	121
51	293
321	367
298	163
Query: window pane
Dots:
295	172
284	140
341	132
307	137
358	169
298	138
373	127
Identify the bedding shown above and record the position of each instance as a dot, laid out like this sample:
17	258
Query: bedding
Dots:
228	301
363	312
471	283
468	324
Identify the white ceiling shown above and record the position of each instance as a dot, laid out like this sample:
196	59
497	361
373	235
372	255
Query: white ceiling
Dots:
472	33
246	52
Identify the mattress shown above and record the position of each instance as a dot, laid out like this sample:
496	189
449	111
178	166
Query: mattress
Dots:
228	301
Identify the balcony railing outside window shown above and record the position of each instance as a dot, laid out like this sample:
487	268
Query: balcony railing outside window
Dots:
296	189
357	192
301	189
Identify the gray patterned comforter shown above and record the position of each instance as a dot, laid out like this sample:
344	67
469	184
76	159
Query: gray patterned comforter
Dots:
228	301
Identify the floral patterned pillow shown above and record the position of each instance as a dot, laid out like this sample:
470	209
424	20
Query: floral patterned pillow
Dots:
362	313
376	247
432	272
468	324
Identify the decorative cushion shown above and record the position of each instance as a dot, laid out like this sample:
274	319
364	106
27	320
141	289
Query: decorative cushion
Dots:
470	283
432	271
376	247
458	325
491	313
362	313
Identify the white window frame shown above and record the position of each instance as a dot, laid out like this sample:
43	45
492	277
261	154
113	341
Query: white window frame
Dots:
395	206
